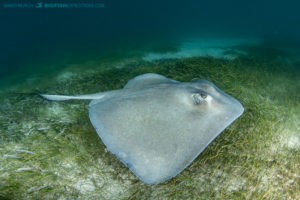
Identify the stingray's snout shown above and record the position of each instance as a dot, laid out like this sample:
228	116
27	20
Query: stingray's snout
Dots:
232	105
239	107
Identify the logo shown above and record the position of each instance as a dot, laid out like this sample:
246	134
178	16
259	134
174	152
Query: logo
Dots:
39	5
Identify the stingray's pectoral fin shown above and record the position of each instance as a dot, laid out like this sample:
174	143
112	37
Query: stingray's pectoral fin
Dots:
54	97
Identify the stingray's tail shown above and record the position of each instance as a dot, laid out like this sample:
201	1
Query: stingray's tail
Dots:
54	97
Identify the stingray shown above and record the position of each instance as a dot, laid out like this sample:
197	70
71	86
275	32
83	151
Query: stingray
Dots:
157	126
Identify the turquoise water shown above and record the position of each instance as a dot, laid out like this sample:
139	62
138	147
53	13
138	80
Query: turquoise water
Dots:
50	35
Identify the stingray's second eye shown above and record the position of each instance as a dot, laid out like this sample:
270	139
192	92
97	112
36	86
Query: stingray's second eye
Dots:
199	98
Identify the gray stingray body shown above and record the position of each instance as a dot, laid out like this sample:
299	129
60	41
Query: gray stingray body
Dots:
157	126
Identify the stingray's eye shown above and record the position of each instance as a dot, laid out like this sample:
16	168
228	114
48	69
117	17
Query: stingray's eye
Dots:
199	98
203	95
